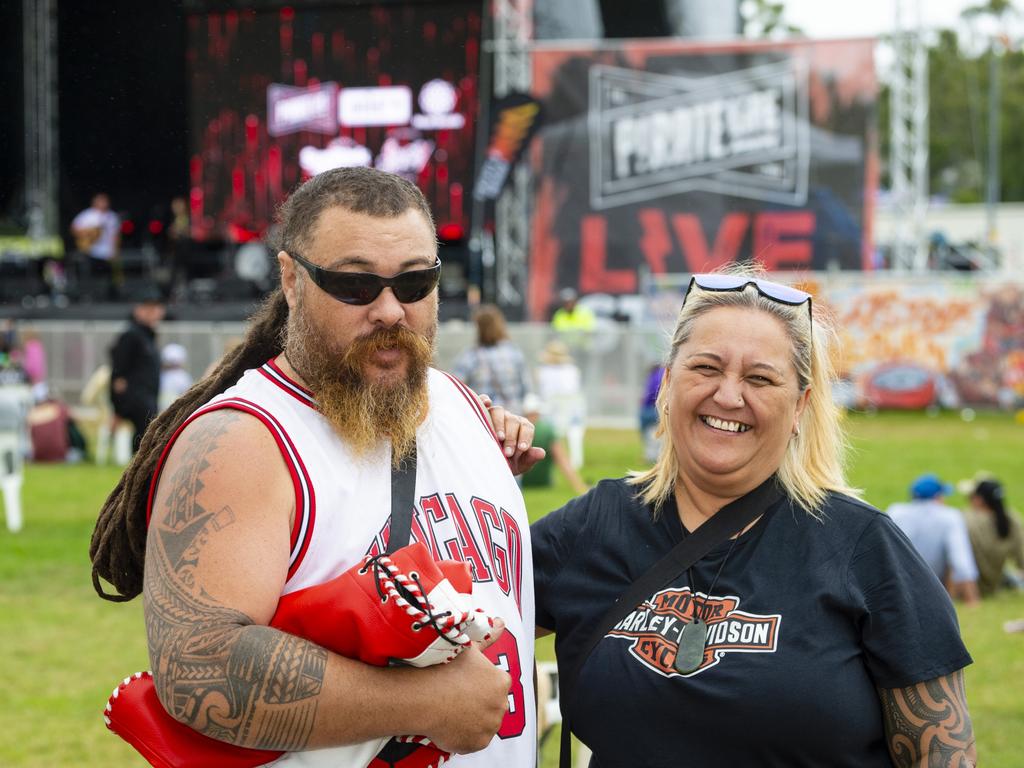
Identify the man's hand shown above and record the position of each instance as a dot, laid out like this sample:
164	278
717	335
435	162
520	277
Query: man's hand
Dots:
515	433
474	699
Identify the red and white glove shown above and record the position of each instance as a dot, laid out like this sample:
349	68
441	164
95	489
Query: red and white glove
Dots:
402	608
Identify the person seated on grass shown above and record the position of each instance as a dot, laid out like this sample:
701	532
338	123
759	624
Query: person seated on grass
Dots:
544	436
939	534
996	534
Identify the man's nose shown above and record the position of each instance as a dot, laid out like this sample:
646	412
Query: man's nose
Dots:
386	309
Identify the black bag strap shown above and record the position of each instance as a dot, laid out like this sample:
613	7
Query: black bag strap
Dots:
403	489
727	522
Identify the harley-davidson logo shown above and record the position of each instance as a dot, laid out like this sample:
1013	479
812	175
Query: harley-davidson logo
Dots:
654	628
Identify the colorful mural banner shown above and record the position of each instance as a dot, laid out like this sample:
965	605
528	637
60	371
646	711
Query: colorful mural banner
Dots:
661	156
914	342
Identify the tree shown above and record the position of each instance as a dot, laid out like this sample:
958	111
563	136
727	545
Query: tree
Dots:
958	82
997	10
766	19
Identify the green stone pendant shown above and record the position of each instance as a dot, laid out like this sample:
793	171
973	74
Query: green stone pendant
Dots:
690	652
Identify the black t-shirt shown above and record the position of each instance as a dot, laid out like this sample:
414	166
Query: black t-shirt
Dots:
806	619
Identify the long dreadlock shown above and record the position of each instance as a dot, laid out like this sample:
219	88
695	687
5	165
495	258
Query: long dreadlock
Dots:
118	546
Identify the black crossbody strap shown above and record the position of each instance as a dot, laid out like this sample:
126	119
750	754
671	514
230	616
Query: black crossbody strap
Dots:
728	521
403	489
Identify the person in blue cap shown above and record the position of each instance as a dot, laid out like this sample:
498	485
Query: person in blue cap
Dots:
939	534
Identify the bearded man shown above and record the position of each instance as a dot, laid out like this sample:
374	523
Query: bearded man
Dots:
275	476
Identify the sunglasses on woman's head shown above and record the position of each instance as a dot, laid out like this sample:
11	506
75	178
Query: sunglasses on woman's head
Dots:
361	288
784	294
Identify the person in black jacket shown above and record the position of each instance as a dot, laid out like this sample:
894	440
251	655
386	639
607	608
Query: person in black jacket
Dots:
135	366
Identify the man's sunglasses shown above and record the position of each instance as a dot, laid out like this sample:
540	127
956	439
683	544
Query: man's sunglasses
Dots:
362	288
783	294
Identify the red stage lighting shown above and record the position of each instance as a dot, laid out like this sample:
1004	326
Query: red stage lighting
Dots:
239	233
127	227
450	232
156	227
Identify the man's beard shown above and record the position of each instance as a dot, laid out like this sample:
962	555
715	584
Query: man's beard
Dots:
363	411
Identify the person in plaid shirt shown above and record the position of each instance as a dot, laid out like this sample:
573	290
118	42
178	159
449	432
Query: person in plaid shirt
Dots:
495	366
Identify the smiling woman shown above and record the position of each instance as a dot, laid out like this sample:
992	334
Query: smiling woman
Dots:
735	401
803	622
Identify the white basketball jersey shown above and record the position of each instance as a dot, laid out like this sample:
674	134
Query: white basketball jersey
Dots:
468	508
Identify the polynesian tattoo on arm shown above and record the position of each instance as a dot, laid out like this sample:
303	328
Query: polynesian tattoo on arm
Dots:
928	724
214	669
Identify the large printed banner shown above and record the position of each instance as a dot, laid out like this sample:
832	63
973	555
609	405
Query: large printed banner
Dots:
279	95
665	157
910	343
915	341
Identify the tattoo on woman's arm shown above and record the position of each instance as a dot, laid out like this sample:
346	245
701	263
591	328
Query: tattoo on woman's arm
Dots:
215	669
928	724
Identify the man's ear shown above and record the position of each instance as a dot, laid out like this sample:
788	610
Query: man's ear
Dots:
288	277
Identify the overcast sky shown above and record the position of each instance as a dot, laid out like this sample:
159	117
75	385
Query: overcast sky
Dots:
827	18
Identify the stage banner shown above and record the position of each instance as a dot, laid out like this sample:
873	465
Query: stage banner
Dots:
515	119
669	157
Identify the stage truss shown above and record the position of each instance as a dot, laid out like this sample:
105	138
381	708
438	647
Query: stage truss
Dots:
512	36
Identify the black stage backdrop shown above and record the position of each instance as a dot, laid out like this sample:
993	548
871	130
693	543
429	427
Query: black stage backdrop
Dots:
123	110
12	139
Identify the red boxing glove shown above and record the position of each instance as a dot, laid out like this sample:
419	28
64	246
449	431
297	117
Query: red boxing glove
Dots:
135	714
403	608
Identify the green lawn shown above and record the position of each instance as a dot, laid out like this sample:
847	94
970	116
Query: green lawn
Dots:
62	649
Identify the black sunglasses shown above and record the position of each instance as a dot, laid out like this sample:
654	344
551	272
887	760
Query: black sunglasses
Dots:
361	288
784	294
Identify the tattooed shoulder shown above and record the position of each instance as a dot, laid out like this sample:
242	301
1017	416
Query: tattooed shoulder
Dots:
928	723
214	668
182	523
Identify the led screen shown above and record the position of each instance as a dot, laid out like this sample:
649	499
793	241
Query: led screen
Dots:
280	95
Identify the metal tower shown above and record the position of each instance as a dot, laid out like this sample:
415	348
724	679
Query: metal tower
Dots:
513	31
40	62
908	152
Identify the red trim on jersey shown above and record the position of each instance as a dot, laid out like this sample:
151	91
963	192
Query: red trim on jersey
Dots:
273	373
471	398
305	498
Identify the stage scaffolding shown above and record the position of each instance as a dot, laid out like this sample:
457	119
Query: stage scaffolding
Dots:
908	154
41	160
505	255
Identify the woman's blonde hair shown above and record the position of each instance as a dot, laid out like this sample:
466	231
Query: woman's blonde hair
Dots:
814	461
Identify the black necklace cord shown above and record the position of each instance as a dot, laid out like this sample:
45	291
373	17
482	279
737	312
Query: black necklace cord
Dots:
714	583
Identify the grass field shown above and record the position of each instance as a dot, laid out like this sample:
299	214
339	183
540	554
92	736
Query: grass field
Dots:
62	649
